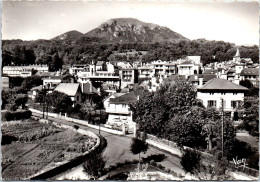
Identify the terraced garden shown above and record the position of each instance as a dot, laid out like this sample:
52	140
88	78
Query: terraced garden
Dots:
29	147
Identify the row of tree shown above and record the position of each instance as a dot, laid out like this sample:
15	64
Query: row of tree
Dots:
174	113
55	52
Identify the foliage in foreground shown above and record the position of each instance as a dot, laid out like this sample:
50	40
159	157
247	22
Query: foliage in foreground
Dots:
173	112
95	165
138	146
217	169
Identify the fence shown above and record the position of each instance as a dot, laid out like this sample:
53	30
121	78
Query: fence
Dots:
174	149
78	121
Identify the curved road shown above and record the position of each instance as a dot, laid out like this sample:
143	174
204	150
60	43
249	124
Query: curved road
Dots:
118	148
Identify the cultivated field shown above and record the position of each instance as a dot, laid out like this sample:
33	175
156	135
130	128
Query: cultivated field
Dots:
29	147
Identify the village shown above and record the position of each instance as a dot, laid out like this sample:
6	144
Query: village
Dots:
124	91
103	93
215	83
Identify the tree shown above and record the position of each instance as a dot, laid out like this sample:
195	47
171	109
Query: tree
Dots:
190	160
251	115
59	101
207	171
88	110
32	81
138	146
12	100
94	165
56	63
153	111
246	83
187	129
229	135
7	58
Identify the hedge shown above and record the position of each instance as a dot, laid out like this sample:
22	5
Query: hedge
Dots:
15	115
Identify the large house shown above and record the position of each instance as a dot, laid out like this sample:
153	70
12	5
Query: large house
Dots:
118	108
73	90
187	68
128	75
220	93
251	74
24	71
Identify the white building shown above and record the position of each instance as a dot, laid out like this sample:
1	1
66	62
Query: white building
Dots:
118	108
74	69
216	90
188	68
24	71
251	74
72	90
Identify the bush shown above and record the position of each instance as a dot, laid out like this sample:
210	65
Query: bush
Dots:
155	157
174	173
190	160
152	162
253	161
16	115
76	127
167	170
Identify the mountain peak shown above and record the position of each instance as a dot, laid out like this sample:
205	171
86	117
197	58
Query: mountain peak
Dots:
70	35
133	30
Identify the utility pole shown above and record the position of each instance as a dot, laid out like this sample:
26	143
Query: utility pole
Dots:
99	121
43	101
222	127
48	86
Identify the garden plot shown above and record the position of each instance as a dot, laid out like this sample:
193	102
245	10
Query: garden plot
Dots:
38	147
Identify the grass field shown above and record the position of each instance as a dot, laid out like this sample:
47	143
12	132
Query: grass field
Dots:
38	146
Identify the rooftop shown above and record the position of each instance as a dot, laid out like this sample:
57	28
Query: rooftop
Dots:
68	88
89	89
125	99
222	84
100	63
250	71
210	71
187	62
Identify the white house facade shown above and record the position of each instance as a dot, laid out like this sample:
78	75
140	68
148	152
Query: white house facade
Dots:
220	93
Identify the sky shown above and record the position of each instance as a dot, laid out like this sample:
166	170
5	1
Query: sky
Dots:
235	22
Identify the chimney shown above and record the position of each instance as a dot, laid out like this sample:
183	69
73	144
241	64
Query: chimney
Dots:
71	80
200	82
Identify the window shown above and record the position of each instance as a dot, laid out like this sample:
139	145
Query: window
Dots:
234	103
212	103
77	98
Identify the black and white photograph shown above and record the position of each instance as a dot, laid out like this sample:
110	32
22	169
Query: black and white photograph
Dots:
160	90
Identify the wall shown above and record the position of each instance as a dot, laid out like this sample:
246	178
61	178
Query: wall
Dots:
78	121
227	97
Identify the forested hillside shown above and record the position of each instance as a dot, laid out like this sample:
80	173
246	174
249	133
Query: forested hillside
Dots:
85	49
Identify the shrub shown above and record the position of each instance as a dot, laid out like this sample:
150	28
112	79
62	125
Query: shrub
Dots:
190	160
167	170
253	161
155	157
174	173
16	115
76	127
152	162
94	165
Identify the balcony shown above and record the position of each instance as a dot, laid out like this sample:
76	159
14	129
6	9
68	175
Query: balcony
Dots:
118	111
